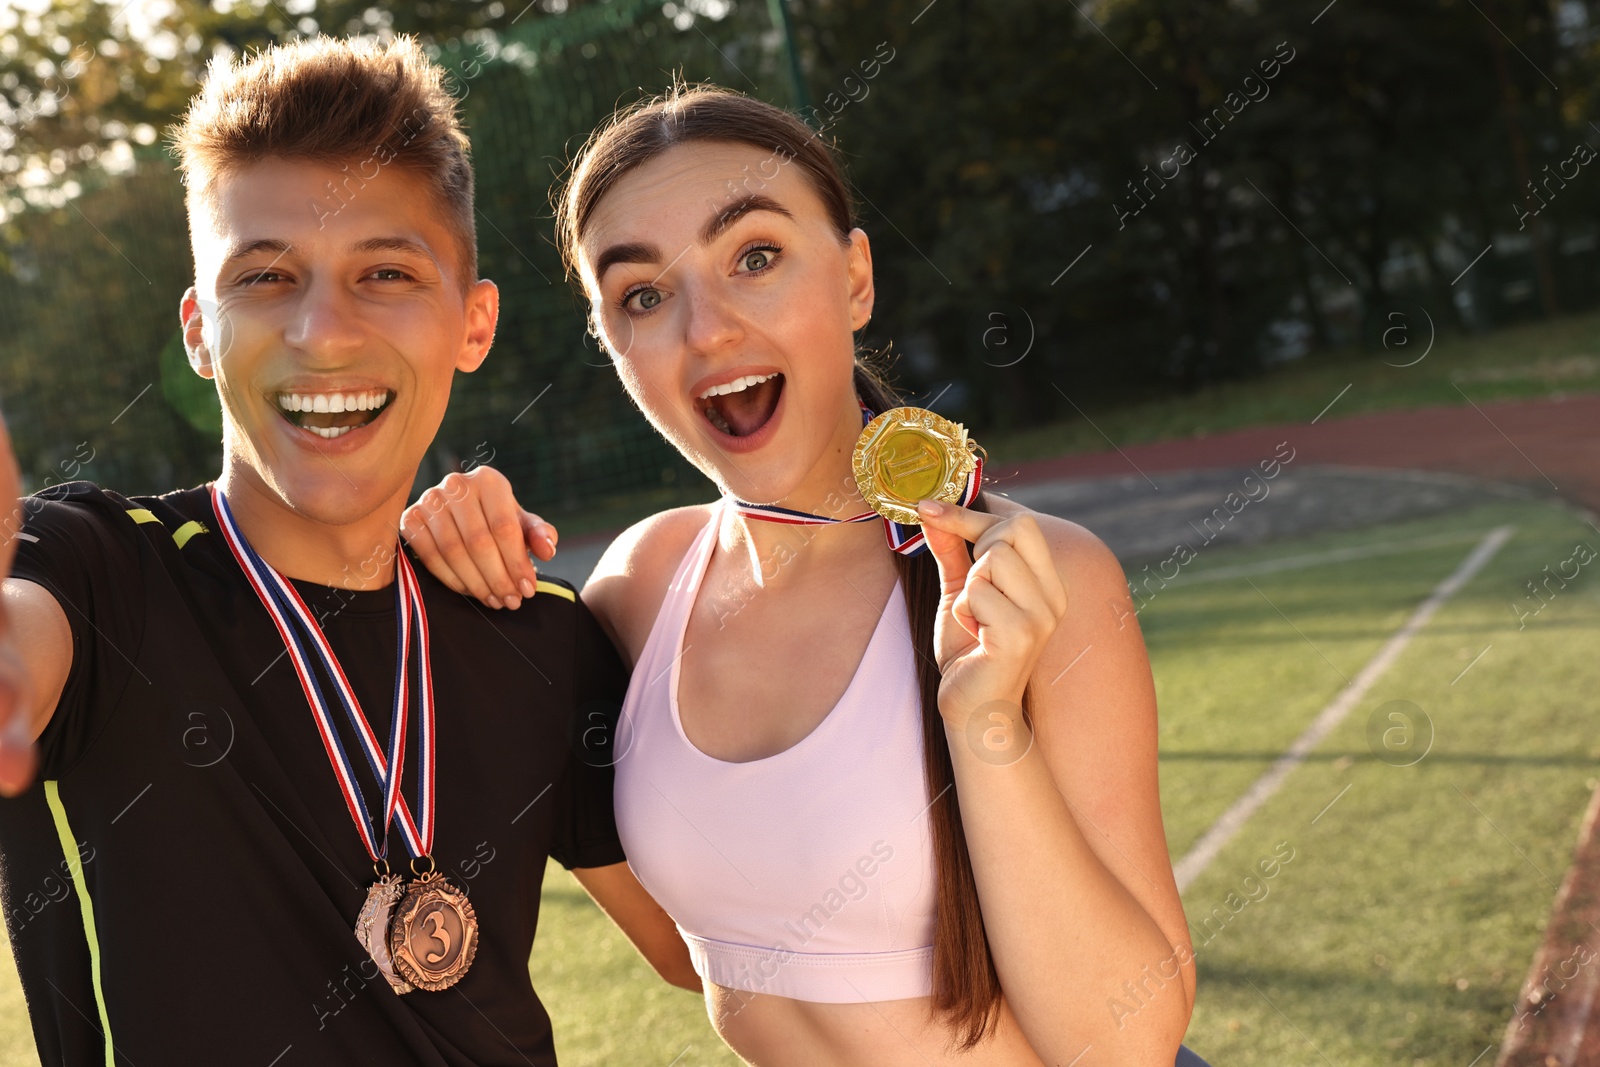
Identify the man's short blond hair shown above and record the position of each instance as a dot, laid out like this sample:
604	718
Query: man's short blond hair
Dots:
358	104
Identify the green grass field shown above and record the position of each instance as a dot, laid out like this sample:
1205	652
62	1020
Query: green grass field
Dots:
1401	929
1404	926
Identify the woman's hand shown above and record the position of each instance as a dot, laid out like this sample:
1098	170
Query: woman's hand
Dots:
997	610
470	532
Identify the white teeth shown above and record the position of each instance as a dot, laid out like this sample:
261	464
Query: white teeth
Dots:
333	402
738	385
329	432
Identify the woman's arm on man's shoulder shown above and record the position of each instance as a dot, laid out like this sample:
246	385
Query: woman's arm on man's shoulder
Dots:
471	532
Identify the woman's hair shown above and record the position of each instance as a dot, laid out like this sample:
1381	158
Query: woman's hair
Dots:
966	989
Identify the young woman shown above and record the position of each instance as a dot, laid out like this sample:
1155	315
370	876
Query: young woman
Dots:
826	781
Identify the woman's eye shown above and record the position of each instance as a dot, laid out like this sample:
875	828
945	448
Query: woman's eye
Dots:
758	259
643	299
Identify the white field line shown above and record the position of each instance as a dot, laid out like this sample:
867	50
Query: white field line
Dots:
1229	823
1317	559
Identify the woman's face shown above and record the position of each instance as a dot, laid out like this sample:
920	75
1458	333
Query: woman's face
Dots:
727	300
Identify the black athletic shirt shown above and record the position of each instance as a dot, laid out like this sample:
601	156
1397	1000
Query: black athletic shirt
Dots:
223	872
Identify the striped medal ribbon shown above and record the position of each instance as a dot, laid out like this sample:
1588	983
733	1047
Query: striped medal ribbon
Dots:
904	538
304	641
423	934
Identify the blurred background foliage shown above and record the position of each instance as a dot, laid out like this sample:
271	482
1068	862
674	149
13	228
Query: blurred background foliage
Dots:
1096	200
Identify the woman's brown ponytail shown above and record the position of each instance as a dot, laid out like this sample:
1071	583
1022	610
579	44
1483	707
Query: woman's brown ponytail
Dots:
966	989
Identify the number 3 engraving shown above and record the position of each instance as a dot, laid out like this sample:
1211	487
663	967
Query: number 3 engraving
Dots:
439	934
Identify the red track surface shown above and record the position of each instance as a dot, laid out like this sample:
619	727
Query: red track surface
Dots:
1549	443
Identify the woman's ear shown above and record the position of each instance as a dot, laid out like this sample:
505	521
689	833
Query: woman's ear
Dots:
859	259
613	350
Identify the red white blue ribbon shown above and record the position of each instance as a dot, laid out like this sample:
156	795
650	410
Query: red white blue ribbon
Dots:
904	538
305	642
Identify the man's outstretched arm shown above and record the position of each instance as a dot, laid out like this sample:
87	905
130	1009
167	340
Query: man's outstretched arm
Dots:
35	644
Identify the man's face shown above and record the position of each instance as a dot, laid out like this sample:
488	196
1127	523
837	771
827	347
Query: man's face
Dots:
333	336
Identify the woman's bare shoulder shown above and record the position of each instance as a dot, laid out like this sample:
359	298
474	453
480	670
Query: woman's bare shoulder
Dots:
629	583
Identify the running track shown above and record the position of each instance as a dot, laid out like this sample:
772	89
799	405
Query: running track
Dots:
1548	443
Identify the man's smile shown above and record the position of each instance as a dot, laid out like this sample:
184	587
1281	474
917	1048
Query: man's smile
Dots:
332	414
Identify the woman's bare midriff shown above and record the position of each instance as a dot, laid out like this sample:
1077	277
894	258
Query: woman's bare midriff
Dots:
770	1031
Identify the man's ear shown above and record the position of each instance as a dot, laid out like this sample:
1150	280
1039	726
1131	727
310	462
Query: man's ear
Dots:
860	277
194	334
483	314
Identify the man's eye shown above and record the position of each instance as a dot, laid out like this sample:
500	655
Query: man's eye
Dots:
390	274
259	277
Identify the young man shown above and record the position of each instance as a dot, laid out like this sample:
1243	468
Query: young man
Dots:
220	680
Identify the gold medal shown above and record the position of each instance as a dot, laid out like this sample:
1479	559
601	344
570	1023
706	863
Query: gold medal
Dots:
372	927
906	455
433	936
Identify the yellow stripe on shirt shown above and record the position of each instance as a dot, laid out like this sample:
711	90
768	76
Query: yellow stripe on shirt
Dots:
69	849
182	534
558	590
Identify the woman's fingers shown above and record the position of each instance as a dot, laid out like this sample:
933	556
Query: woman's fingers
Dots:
945	537
1023	534
453	552
478	538
414	527
507	524
969	525
994	612
540	536
984	531
1004	568
486	537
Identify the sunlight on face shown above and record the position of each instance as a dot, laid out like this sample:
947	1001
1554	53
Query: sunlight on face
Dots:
728	304
332	337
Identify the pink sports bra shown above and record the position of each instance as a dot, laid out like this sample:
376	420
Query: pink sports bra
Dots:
808	874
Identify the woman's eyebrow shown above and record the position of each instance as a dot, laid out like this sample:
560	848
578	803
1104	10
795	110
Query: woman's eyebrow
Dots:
630	252
639	252
737	210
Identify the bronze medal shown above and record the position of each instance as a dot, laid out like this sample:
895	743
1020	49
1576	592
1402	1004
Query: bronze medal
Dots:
433	936
906	455
372	928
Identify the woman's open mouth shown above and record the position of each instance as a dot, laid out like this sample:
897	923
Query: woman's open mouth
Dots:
743	406
331	415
